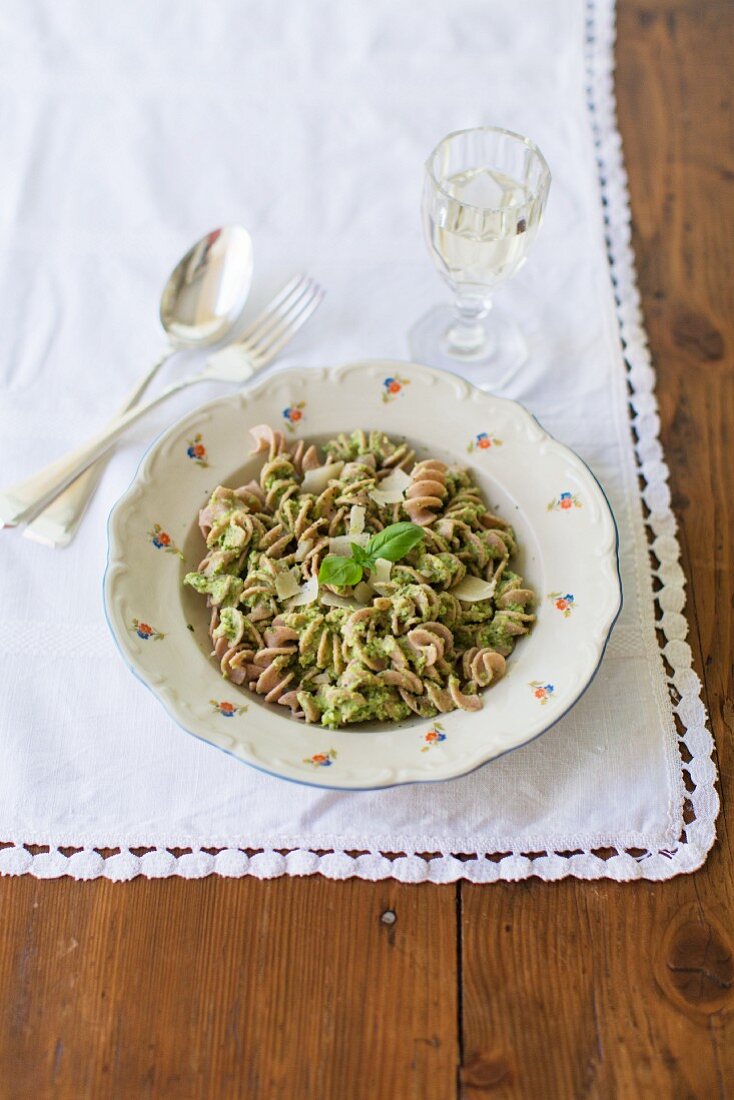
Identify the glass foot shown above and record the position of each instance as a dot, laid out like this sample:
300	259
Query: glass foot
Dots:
491	367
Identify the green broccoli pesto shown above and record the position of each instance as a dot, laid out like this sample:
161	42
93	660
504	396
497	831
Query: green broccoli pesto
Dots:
360	662
441	569
233	537
479	612
223	589
343	706
230	623
495	634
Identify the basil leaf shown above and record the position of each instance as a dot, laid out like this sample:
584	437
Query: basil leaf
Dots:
360	555
395	541
340	571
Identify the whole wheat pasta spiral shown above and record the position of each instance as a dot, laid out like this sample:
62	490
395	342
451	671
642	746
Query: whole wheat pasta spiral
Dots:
427	491
409	640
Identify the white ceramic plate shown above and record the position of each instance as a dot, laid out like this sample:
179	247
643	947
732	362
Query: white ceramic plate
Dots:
564	525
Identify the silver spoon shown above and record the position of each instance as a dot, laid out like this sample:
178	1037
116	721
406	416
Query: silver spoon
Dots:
236	362
202	300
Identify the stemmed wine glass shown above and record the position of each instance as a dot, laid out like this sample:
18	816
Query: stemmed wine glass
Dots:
484	195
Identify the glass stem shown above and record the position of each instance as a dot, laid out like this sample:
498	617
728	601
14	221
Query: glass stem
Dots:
467	334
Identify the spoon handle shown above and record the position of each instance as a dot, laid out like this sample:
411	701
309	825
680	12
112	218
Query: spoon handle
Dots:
57	524
27	498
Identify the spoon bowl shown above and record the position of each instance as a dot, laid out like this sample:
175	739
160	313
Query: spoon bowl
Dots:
207	290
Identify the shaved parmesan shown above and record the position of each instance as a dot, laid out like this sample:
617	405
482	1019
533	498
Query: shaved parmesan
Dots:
307	593
397	479
363	593
315	481
379	577
304	549
472	589
330	599
356	519
286	585
392	488
381	572
342	544
386	497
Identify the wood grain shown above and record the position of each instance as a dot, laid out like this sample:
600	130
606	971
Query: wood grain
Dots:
598	990
214	988
299	988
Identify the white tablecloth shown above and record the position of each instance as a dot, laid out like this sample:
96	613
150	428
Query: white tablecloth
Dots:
128	130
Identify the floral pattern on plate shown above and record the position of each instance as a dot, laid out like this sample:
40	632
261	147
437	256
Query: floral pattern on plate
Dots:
542	692
145	631
196	451
563	602
163	541
227	710
483	442
293	414
321	759
392	387
434	737
564	502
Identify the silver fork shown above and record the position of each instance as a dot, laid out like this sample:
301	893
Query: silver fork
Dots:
57	524
255	349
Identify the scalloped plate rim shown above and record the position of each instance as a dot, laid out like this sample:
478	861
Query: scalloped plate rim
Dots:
326	373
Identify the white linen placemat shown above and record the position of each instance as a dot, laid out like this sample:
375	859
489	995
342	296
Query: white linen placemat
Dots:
126	131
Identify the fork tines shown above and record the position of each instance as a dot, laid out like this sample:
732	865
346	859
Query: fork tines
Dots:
277	324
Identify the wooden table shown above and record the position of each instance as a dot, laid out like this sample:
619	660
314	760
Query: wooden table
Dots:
304	988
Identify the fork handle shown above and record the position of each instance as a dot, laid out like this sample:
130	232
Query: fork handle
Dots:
57	524
27	498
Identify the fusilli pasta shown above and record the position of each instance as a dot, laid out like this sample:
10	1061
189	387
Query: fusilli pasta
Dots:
423	635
